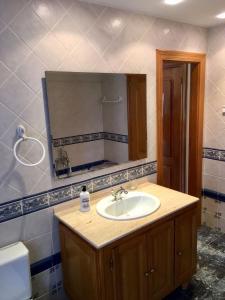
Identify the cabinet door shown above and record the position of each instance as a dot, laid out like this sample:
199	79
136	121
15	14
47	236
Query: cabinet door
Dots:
161	260
79	263
185	246
108	279
130	265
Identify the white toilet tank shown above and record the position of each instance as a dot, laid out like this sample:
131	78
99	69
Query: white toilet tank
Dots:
15	280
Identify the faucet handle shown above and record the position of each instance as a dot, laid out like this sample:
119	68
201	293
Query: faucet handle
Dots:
123	190
113	192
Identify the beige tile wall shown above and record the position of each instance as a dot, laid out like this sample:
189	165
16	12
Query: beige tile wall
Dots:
214	126
68	35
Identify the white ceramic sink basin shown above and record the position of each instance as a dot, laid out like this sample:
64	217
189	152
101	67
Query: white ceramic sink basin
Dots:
134	205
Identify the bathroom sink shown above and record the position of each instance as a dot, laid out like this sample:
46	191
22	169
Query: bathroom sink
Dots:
134	205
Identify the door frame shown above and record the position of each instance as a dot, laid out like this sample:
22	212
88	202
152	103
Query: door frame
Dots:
198	61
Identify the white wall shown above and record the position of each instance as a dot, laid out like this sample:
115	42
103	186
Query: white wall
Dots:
41	35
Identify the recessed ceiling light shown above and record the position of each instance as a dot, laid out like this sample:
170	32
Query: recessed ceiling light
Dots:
116	23
221	16
172	2
43	10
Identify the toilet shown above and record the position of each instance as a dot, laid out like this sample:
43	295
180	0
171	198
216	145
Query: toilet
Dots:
15	279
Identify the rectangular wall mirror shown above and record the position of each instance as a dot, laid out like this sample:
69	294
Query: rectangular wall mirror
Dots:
97	120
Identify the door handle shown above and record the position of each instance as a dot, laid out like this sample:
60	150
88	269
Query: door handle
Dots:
152	270
179	253
149	272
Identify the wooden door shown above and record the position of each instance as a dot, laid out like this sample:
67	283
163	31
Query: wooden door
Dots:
77	255
137	116
174	126
161	260
185	246
130	269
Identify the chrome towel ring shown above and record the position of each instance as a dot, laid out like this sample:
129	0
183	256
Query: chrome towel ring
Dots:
20	131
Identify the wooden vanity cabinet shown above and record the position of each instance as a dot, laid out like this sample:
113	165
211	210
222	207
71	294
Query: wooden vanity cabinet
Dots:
185	246
147	264
130	269
144	265
80	266
161	260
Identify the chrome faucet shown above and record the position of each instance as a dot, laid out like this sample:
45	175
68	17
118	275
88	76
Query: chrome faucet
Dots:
117	195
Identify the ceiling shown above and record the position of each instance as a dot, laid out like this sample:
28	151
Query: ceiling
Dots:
196	12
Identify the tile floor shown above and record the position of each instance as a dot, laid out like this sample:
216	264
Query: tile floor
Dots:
209	281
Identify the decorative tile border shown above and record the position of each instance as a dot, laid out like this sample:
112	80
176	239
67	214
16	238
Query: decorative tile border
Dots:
35	203
134	173
101	183
121	138
149	168
119	177
84	138
30	204
60	195
10	211
215	154
213	195
45	264
77	139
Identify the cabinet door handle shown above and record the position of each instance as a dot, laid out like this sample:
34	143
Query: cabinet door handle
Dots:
146	274
179	253
111	264
152	271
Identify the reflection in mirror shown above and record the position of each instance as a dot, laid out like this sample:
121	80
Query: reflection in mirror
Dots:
91	117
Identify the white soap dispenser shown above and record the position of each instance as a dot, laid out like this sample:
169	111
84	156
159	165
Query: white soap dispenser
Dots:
84	199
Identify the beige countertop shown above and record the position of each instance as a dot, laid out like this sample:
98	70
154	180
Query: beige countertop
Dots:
99	231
